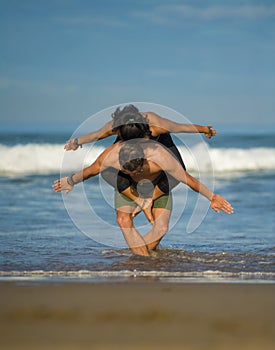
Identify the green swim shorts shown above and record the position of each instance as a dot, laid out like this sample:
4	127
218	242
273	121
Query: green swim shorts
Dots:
164	201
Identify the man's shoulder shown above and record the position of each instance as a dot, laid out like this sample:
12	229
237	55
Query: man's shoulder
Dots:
111	151
114	146
152	147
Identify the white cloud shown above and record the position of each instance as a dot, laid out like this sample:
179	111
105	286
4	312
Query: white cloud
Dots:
174	13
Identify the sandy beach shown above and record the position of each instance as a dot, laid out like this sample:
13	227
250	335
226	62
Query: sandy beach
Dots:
137	316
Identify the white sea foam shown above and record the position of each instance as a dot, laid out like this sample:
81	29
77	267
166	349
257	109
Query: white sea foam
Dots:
163	276
44	158
48	158
224	160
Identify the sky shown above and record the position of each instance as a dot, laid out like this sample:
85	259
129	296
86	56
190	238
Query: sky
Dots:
61	61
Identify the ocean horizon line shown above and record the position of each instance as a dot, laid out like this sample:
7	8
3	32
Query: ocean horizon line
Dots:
60	127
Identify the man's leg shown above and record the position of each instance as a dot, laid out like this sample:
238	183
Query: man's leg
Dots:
159	229
124	210
161	213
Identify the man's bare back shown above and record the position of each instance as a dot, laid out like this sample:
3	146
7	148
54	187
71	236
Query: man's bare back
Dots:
156	159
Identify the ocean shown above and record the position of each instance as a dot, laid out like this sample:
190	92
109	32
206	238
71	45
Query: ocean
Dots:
48	236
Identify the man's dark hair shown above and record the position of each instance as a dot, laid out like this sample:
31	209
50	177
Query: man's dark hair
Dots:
129	123
131	156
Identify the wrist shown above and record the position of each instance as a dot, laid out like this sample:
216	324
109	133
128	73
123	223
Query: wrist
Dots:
70	180
205	130
76	143
212	196
141	203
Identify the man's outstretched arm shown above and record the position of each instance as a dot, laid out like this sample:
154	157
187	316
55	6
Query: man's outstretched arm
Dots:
217	202
67	183
169	164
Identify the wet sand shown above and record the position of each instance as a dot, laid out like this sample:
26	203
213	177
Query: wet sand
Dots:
137	316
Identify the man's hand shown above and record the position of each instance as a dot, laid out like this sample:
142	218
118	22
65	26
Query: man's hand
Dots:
219	203
210	132
148	210
62	185
144	204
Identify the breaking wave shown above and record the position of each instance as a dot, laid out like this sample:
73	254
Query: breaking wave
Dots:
32	159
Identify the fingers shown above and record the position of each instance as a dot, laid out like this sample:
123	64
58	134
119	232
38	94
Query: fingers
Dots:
56	186
136	211
219	203
149	216
227	207
211	132
148	210
67	145
70	145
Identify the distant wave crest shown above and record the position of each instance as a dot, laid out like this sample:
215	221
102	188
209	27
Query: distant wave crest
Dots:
230	160
31	159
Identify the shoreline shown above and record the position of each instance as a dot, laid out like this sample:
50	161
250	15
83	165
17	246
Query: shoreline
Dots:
132	279
134	276
158	315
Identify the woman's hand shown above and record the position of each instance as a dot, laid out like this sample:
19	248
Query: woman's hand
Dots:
210	131
62	185
72	145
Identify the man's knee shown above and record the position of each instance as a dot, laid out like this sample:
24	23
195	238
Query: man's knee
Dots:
123	219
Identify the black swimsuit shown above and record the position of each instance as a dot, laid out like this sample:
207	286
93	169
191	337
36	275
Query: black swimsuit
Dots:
120	181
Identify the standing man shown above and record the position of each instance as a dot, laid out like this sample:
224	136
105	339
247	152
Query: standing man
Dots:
143	160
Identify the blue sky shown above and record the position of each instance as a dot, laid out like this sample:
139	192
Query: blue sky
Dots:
64	60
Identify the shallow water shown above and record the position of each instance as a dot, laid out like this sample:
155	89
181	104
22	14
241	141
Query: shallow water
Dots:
38	239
